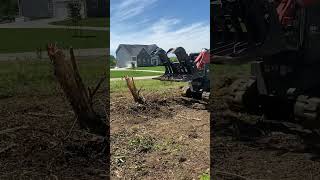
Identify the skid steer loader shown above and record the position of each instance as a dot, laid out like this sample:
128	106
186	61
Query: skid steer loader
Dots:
192	68
281	40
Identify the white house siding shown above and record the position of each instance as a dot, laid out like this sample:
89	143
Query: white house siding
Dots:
123	58
125	53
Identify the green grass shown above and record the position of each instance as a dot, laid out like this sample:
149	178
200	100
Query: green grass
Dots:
146	85
34	77
154	85
132	73
230	70
22	40
90	22
168	145
153	68
205	176
141	143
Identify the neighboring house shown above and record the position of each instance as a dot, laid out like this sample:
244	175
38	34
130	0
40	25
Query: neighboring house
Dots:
139	55
59	8
97	8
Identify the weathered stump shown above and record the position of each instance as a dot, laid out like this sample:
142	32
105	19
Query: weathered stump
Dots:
66	72
134	91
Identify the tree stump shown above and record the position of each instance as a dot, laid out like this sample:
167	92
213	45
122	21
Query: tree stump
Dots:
134	91
67	74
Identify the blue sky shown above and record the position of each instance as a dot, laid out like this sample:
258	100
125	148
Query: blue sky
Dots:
167	23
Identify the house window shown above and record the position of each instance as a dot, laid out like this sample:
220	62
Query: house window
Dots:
134	58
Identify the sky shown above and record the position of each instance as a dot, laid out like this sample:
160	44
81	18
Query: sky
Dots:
167	23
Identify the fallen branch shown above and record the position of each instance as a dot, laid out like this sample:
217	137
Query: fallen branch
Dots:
13	129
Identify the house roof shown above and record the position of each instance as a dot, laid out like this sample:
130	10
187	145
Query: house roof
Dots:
134	49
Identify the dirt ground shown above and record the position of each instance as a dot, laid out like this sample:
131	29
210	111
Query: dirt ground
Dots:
166	139
248	151
39	139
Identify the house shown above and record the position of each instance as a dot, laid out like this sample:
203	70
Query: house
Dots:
97	8
139	55
59	8
47	8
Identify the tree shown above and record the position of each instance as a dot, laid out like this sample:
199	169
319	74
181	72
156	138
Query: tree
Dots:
113	61
74	9
8	7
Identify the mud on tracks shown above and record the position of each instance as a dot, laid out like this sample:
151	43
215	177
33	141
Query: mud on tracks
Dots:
242	149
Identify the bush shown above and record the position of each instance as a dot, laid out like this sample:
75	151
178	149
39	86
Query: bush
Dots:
8	8
74	9
113	61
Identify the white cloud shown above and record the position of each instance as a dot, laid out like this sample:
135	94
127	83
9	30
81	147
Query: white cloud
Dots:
163	25
127	9
165	34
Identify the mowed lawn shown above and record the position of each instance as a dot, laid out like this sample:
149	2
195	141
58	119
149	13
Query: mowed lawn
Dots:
230	70
149	85
132	73
35	77
22	40
153	68
90	22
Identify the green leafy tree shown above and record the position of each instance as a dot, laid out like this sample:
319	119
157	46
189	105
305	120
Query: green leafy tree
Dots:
113	61
8	8
74	9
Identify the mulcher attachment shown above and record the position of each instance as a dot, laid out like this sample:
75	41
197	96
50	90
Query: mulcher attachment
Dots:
184	70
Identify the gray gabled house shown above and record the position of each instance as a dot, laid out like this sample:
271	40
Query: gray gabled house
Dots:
97	8
47	8
139	55
59	8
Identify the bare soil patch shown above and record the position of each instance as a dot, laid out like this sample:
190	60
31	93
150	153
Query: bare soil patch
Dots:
168	138
50	145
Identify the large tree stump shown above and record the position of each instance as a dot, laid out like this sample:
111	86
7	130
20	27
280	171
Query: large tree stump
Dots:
134	91
66	72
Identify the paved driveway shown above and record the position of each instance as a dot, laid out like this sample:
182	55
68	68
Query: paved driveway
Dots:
143	70
44	23
135	78
33	55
